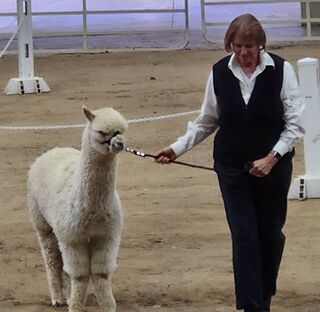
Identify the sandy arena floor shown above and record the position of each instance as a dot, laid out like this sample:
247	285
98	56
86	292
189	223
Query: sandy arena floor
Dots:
175	254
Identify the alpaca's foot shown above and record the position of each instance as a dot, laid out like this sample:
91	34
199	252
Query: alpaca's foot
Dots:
58	304
57	300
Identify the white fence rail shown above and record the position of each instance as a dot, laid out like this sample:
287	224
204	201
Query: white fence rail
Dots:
85	35
84	13
305	24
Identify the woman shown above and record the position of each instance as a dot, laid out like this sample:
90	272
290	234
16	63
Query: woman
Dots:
252	98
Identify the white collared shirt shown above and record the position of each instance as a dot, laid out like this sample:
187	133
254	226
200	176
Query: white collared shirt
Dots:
207	121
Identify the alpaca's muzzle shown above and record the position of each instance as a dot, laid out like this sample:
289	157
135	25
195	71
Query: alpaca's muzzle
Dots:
118	146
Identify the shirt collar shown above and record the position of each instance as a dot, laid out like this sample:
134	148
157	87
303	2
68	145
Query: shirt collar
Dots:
265	60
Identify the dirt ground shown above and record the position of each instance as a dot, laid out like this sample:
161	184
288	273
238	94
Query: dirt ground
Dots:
175	253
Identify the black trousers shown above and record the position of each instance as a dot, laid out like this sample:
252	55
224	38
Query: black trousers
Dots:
256	212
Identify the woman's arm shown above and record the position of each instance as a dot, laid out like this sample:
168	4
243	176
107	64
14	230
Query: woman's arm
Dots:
204	125
293	109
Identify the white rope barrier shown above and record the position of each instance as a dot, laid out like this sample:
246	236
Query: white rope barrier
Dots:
10	40
59	127
163	117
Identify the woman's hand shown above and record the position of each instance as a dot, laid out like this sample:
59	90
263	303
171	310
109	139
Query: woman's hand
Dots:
165	156
262	167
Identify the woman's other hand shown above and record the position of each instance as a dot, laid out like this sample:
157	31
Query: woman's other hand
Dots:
262	167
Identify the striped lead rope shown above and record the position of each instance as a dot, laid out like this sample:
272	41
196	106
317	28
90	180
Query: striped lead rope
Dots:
142	154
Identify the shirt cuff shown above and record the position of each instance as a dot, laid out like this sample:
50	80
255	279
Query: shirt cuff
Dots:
178	148
281	147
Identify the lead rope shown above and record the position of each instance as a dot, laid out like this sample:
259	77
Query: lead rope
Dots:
142	154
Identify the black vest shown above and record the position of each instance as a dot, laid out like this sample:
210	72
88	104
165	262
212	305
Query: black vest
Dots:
247	132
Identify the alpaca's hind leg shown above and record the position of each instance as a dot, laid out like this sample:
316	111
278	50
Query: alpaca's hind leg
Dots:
50	251
66	289
76	265
103	262
53	263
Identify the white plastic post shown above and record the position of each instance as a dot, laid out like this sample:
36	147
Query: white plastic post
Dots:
27	82
308	185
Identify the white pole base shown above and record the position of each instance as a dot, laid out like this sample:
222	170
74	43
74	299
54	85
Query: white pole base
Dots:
26	85
304	187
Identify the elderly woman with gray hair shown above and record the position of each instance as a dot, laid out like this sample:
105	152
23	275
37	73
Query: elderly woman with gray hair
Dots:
252	99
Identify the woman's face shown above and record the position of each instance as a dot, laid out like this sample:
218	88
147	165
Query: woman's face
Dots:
246	51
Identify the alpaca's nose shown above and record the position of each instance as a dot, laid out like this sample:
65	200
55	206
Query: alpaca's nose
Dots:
119	146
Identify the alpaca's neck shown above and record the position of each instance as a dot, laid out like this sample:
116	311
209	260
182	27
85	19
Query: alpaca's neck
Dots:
96	179
98	173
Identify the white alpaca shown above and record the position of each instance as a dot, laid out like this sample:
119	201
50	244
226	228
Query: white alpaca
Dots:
76	211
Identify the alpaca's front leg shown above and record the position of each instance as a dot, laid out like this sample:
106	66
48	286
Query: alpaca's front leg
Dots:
77	265
79	286
103	254
102	285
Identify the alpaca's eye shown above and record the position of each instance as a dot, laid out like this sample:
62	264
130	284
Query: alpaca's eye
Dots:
102	133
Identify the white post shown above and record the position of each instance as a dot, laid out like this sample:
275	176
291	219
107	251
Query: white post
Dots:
27	82
25	43
308	185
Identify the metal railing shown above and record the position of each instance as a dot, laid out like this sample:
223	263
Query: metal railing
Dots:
85	32
303	22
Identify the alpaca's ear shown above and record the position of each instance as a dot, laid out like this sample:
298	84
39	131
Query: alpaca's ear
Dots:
89	115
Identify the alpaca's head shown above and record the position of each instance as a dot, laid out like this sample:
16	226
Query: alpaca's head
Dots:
105	130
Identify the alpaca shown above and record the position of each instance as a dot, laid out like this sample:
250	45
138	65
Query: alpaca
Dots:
76	212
